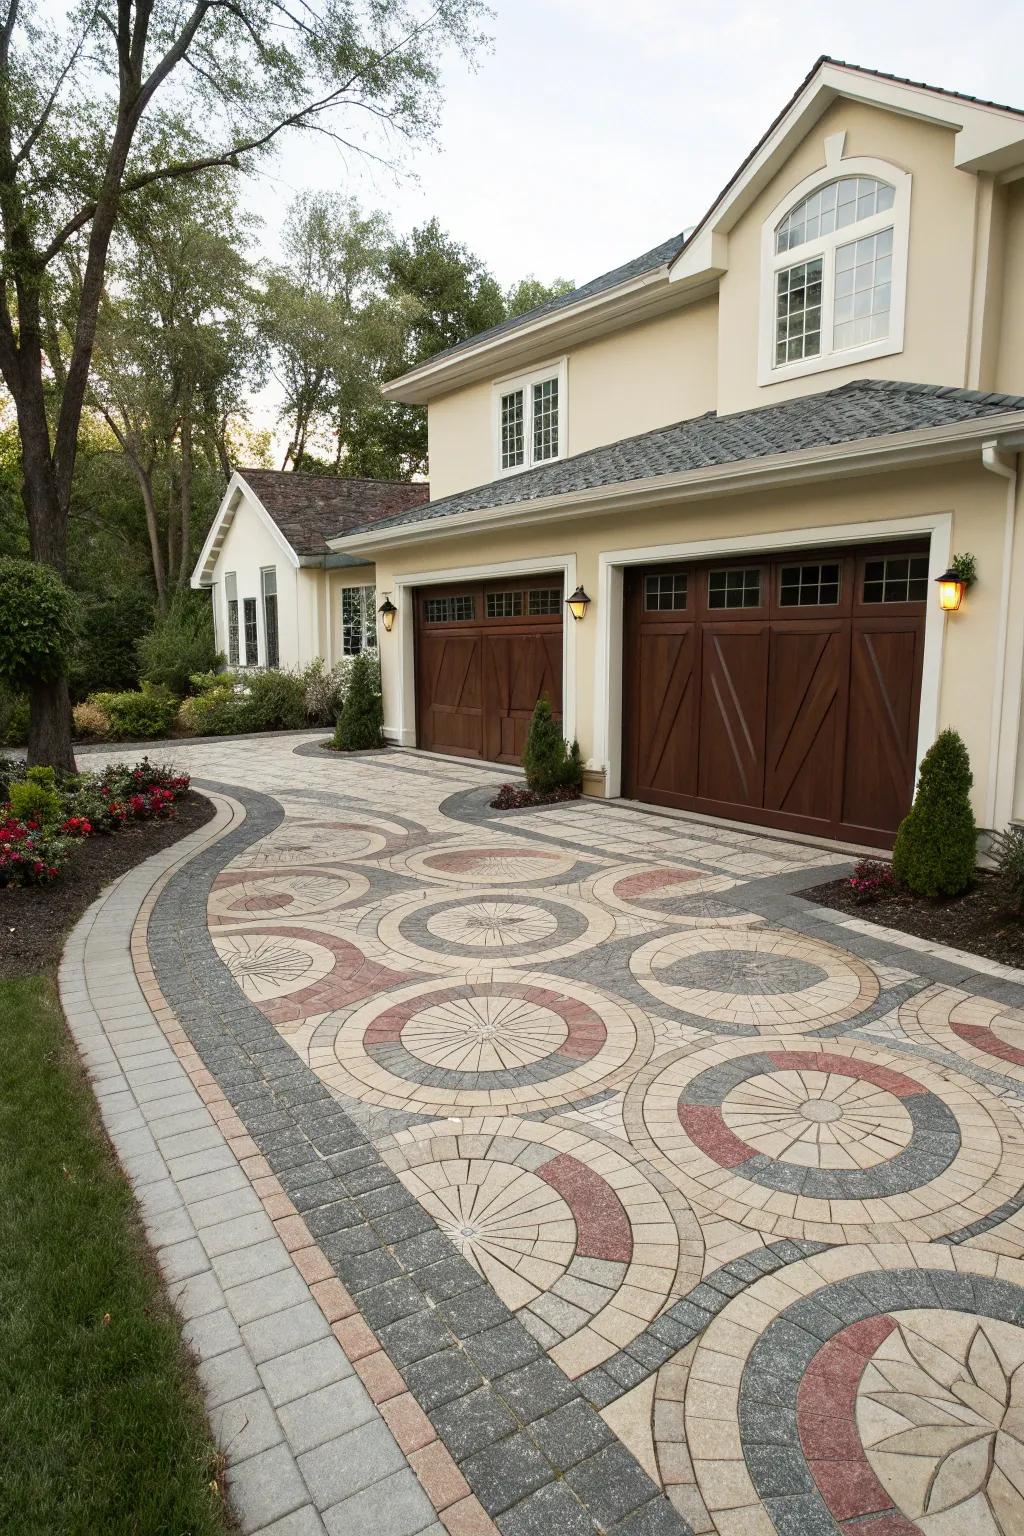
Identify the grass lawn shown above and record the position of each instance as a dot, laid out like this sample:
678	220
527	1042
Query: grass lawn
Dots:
102	1430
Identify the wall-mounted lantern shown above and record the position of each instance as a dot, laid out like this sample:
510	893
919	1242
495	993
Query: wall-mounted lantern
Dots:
387	611
952	584
578	603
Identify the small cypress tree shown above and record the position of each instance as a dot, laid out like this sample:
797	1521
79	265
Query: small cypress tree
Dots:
361	722
548	761
936	845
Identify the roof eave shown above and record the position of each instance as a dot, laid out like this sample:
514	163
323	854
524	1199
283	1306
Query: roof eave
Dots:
862	456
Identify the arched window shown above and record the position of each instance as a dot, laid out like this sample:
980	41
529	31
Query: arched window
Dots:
835	266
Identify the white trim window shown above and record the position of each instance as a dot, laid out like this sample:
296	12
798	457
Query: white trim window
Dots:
358	620
231	597
834	266
529	419
268	591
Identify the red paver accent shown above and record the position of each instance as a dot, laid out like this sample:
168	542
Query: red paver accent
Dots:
985	1039
602	1226
355	1337
408	1423
849	1066
648	880
379	1376
704	1125
352	978
332	1299
441	1478
468	1518
586	1035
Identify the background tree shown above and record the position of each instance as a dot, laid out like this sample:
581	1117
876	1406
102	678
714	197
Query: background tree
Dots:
93	113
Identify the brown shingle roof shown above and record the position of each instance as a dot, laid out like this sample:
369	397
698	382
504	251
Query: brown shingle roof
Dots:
309	509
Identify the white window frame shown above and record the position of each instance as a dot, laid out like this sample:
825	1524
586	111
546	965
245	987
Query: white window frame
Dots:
557	369
368	619
261	621
896	218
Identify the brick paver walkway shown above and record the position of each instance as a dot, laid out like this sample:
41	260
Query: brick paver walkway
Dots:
561	1171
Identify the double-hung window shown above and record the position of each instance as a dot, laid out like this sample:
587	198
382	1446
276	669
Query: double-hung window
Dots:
268	586
358	620
834	271
530	416
251	628
231	594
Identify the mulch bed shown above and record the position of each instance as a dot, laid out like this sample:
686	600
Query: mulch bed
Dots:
36	919
514	797
978	921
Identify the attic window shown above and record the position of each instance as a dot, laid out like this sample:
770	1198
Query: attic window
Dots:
834	271
530	419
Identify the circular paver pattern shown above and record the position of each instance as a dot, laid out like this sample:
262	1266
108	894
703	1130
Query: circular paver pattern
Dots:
975	1028
670	893
500	863
268	896
448	932
774	982
580	1238
515	1040
876	1393
827	1144
309	843
268	966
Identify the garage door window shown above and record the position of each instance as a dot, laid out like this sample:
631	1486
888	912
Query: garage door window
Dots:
809	586
899	579
734	589
545	601
460	609
504	605
665	592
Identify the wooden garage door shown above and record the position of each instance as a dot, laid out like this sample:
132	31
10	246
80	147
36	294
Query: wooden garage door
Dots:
484	656
783	692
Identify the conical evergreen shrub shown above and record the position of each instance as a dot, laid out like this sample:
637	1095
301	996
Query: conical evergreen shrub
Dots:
361	722
548	761
936	845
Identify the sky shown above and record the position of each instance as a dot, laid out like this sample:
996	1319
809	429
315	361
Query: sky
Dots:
594	129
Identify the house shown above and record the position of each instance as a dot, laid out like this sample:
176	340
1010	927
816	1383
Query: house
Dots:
755	449
280	595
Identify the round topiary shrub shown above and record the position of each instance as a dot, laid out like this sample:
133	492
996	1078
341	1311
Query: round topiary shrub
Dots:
936	845
36	630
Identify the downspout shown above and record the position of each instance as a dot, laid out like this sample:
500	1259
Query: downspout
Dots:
1004	465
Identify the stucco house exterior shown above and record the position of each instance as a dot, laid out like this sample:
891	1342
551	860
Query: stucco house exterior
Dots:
754	448
280	595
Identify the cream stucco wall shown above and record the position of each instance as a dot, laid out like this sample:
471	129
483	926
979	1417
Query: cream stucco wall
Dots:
975	500
632	381
308	597
1009	375
939	274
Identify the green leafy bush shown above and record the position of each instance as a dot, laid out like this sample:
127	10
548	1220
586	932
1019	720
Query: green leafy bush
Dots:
36	631
91	722
273	701
361	722
215	710
1008	852
35	798
936	845
137	716
14	718
109	626
549	762
325	689
180	644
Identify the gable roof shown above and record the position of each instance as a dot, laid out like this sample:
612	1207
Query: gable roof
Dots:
990	136
308	508
854	412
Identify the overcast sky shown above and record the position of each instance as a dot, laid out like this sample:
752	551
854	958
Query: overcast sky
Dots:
597	128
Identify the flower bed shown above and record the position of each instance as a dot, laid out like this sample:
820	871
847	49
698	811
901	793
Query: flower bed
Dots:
517	797
43	816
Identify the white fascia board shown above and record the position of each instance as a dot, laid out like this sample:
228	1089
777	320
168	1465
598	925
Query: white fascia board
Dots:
899	450
987	139
238	491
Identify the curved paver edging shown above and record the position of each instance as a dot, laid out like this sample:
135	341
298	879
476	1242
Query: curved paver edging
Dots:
461	1350
285	1404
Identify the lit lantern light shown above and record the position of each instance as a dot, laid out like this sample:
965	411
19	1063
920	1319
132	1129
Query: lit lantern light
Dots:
387	611
951	590
578	603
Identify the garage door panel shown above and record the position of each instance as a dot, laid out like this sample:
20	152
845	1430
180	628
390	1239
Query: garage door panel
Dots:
449	673
518	669
806	720
734	680
666	712
885	678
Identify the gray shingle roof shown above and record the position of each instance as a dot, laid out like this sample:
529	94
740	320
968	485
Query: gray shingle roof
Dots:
308	509
863	409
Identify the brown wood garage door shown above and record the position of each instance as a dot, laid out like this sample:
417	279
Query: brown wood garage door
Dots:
484	656
782	692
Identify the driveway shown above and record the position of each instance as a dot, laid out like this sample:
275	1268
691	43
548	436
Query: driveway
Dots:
632	1192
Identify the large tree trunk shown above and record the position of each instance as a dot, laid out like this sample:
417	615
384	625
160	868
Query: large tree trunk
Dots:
186	498
49	732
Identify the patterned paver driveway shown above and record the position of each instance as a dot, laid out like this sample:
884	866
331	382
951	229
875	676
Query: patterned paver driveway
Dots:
643	1196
